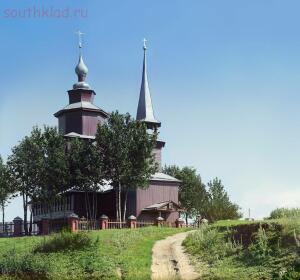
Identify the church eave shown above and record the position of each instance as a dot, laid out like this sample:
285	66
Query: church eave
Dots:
60	112
150	122
78	90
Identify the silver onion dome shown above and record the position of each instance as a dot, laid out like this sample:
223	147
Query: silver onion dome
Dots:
81	70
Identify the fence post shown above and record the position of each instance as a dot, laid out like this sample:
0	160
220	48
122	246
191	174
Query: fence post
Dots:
159	221
131	221
73	222
204	221
103	222
179	223
45	226
18	222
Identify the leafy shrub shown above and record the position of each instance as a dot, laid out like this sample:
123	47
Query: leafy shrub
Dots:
260	249
292	272
280	213
65	241
26	266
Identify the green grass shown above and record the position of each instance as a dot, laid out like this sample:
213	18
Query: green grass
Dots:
229	223
222	251
114	252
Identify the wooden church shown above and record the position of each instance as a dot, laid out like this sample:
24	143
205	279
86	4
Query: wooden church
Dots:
80	119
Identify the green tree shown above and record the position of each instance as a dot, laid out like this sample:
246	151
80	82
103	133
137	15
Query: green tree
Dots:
25	164
86	171
192	193
141	162
54	174
39	167
5	190
126	151
219	205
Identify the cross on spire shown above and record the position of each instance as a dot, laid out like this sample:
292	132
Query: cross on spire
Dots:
79	33
144	46
81	69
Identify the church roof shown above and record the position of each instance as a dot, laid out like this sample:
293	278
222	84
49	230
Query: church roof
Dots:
77	135
81	105
145	111
159	176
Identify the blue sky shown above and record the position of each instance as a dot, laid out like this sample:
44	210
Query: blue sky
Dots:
224	77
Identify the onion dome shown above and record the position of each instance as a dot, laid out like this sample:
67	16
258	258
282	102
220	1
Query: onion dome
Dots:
81	70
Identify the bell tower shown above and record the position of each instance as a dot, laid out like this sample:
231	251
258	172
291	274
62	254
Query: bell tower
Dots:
145	112
80	117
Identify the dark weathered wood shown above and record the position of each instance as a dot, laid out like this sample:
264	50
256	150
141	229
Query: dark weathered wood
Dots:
84	121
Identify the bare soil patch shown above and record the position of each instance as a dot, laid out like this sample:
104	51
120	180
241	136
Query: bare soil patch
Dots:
169	260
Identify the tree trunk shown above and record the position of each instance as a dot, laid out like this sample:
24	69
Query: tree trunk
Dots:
90	199
86	204
25	212
3	218
125	205
30	225
95	205
186	219
119	204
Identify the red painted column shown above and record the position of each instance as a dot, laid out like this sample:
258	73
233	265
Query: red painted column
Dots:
179	223
18	222
159	221
131	221
103	222
73	222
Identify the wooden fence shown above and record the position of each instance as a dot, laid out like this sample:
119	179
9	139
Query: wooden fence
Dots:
9	229
114	224
84	224
142	223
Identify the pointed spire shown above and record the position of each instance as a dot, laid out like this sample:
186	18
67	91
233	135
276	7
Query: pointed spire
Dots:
145	109
81	69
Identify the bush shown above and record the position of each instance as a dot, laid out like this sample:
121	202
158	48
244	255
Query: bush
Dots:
65	241
285	213
260	249
22	266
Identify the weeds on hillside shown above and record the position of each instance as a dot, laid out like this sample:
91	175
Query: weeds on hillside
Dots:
260	249
273	251
211	244
65	241
28	266
280	213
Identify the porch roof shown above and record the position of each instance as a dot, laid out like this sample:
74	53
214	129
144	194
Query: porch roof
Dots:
167	206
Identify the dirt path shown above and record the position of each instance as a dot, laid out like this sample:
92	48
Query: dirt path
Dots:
169	260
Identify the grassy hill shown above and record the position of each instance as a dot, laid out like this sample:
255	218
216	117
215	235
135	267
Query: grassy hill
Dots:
240	250
107	254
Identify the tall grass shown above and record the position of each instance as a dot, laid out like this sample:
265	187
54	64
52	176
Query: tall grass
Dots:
210	244
23	266
272	251
82	256
65	241
280	213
